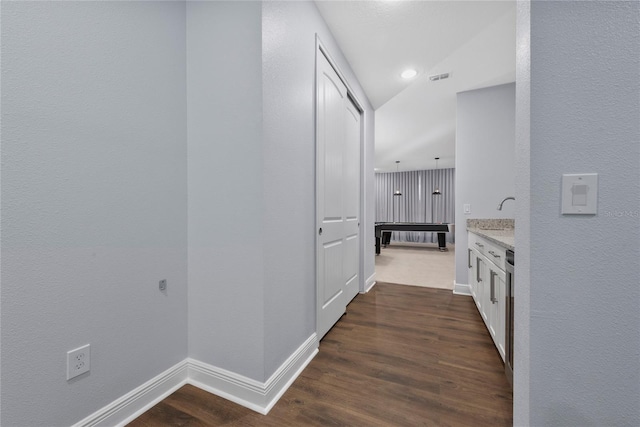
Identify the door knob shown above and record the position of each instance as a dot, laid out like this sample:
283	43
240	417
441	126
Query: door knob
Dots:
320	231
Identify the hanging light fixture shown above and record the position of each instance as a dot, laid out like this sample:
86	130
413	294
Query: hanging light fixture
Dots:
397	192
437	191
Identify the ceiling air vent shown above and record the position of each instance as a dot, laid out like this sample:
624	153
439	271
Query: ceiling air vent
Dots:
437	77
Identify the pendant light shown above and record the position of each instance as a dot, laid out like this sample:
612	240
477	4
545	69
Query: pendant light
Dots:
436	192
397	192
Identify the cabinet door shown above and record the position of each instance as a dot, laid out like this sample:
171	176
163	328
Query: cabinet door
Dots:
481	267
501	295
471	275
496	310
487	281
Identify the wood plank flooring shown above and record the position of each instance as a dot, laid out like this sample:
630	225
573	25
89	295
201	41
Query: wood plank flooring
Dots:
401	356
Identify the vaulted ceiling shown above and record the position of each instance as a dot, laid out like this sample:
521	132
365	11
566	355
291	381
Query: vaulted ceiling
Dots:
473	41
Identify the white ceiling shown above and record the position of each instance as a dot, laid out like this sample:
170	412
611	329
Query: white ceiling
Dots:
415	119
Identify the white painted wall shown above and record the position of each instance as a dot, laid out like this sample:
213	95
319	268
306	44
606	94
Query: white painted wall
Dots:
251	85
521	405
94	197
485	153
124	126
226	206
369	205
288	181
252	268
582	280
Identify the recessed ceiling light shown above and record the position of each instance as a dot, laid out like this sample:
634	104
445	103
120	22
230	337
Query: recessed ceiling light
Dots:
409	73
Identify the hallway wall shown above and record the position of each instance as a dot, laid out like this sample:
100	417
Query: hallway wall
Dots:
577	293
94	191
485	153
288	180
251	80
226	208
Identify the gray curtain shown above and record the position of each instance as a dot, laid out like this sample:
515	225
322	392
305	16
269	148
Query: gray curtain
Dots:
416	204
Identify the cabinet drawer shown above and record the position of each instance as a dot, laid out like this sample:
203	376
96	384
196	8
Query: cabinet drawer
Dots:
494	253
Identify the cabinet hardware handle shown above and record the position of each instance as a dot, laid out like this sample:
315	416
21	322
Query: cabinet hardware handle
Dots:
495	255
478	278
493	287
479	245
320	231
469	258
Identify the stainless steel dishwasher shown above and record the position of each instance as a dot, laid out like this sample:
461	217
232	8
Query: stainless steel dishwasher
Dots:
510	285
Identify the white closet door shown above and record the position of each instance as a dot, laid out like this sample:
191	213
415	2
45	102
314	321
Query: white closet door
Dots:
338	197
351	163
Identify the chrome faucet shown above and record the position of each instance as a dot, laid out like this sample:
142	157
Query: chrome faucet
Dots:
504	200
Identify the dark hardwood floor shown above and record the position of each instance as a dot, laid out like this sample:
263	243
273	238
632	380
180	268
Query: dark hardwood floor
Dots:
401	356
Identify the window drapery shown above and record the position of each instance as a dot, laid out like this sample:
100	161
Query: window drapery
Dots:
416	204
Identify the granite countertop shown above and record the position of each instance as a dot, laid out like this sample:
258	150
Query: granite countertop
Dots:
498	231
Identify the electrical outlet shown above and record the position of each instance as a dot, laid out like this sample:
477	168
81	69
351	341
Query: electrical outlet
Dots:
163	285
78	361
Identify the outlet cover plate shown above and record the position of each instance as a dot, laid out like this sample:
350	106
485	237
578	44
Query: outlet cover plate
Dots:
78	361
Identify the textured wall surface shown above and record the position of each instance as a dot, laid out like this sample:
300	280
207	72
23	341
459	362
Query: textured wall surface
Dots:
289	177
584	270
157	140
93	202
226	208
521	405
252	239
289	34
368	208
485	147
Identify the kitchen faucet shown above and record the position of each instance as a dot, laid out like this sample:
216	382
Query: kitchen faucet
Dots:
504	200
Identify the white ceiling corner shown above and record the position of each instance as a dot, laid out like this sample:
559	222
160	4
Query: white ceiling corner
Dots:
415	119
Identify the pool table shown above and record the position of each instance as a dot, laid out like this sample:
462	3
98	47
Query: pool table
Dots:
441	229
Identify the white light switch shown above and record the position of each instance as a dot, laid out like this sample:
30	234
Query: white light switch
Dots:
467	208
580	194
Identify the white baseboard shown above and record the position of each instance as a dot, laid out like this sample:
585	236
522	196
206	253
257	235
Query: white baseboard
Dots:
461	289
247	392
136	402
255	395
371	281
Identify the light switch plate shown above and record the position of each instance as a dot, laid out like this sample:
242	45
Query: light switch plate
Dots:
580	194
467	208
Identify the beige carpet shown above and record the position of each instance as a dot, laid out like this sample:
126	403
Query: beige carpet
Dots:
417	264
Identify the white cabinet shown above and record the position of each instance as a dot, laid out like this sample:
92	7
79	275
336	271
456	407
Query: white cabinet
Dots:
472	257
496	308
487	283
481	276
